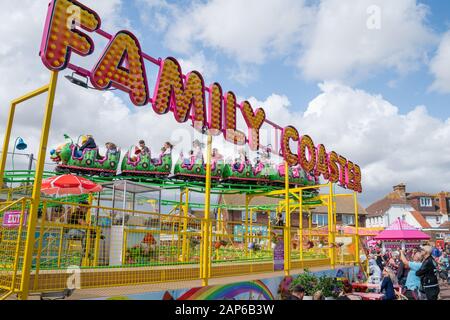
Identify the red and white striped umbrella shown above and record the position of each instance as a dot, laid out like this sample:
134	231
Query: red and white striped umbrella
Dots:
69	185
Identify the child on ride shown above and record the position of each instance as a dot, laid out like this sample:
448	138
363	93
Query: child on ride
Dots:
87	142
111	148
167	149
216	156
243	159
266	155
196	153
141	148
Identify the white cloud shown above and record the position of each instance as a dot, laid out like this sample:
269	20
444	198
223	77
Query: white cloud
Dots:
198	62
330	40
390	147
340	45
249	31
440	66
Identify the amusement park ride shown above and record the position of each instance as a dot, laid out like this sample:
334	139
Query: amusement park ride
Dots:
122	66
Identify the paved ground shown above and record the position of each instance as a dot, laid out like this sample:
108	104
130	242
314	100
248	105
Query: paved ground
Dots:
445	292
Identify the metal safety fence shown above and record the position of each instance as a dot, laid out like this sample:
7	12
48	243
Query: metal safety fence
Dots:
98	247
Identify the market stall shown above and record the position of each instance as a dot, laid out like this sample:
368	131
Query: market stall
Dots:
401	235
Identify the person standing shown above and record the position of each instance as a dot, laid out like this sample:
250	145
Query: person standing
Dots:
297	293
412	283
427	274
387	285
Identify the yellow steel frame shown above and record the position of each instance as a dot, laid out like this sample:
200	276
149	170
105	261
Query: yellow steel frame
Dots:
205	260
32	219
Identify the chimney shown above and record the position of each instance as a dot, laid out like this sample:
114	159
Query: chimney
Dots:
443	202
401	190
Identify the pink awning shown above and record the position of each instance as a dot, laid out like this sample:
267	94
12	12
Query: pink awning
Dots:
400	230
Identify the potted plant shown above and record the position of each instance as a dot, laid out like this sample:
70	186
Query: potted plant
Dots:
308	281
329	286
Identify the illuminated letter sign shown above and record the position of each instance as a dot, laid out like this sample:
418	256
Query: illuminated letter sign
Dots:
254	122
215	109
122	66
306	143
60	35
289	133
231	134
173	93
322	167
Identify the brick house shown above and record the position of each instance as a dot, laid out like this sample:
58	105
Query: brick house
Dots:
425	211
344	208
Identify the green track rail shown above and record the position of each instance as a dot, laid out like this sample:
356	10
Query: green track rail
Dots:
24	176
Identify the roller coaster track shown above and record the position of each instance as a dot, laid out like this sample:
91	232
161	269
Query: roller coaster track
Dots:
170	183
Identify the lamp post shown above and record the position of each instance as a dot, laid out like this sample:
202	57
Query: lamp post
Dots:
20	145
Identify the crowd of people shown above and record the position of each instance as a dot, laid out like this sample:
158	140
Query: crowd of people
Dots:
412	274
417	272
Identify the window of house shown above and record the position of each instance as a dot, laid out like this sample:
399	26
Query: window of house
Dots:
320	219
254	217
348	219
426	202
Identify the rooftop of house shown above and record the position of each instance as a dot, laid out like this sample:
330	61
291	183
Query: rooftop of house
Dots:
420	219
399	196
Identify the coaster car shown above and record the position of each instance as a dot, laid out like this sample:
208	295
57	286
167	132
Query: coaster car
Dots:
195	169
245	172
144	165
90	162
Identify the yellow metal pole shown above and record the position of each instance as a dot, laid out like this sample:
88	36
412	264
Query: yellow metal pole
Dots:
330	226
124	246
219	229
60	247
250	231
287	234
9	124
36	195
206	256
88	215
355	201
97	246
245	233
19	241
300	241
41	239
185	207
269	240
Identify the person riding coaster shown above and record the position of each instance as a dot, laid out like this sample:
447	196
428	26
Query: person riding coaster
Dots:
139	161
85	158
194	166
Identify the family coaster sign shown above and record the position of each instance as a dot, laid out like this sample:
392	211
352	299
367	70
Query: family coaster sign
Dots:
122	66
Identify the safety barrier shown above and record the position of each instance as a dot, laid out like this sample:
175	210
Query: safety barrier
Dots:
100	247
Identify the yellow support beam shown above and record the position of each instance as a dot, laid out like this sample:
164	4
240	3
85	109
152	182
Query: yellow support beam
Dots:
36	195
355	202
287	228
206	261
185	207
331	238
9	125
300	222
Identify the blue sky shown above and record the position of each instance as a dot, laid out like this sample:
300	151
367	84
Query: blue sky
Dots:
277	75
314	64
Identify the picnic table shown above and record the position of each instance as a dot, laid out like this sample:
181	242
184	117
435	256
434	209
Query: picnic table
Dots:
363	287
369	296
